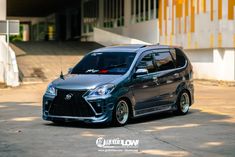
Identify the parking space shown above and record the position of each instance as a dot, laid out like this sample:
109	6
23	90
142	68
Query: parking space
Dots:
208	129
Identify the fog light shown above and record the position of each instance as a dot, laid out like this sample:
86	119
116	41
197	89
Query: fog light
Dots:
97	106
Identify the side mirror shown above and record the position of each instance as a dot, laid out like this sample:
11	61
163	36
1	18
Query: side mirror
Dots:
70	70
141	72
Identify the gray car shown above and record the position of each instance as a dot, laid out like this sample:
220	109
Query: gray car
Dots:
114	84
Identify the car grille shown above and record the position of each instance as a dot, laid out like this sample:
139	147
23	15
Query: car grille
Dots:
76	106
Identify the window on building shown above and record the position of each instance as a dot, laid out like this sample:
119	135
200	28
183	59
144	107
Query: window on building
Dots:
113	13
90	15
144	10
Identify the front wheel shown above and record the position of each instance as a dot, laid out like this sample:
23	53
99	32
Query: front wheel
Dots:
183	103
121	113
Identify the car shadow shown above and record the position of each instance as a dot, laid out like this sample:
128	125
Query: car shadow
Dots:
139	120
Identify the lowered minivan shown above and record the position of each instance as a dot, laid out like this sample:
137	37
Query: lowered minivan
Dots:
114	84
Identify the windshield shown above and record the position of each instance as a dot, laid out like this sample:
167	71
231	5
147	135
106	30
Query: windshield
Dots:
105	63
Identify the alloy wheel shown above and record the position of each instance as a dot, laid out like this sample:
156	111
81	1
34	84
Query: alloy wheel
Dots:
184	103
122	112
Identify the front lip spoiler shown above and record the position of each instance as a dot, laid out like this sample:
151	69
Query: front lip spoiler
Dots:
71	118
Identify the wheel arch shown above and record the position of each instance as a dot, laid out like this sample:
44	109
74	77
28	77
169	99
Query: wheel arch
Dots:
183	87
129	103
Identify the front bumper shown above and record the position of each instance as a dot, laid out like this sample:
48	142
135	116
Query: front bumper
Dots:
104	115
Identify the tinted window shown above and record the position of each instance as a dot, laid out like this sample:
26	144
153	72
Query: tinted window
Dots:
173	54
180	58
163	61
105	63
147	62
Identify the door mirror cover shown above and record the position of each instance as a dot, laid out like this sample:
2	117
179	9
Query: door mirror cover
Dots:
70	70
141	71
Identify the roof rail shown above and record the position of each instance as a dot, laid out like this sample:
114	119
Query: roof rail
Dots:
143	46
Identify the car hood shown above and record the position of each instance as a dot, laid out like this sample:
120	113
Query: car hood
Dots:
82	81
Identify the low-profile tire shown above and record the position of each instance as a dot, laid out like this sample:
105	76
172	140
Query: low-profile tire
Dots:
183	103
121	113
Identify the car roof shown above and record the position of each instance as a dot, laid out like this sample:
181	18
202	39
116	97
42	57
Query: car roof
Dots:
132	48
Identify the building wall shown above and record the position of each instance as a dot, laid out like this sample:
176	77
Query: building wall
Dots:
214	64
206	30
135	19
197	23
145	31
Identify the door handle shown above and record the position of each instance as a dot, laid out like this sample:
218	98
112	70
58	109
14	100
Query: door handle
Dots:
155	78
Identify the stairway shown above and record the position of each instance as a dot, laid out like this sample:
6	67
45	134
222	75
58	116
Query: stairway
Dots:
42	61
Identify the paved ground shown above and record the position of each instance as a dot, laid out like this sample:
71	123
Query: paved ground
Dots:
208	130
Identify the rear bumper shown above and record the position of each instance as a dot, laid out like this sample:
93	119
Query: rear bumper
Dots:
102	117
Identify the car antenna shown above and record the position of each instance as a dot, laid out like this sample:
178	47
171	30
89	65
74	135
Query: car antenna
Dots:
61	69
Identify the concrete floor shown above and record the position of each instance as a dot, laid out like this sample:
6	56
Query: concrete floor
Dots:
208	129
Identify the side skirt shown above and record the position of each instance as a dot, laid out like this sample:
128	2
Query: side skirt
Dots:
152	110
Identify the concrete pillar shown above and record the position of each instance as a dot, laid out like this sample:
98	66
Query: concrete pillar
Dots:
139	10
101	13
25	32
155	9
149	9
116	14
127	13
144	13
3	7
113	13
134	12
109	12
3	13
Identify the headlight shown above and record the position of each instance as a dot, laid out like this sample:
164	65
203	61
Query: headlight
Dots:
102	90
51	90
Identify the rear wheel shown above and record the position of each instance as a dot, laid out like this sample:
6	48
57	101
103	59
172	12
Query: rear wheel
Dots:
183	103
121	113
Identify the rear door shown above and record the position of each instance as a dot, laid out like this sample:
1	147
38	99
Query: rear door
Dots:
167	76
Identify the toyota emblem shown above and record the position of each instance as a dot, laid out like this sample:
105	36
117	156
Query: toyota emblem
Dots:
68	96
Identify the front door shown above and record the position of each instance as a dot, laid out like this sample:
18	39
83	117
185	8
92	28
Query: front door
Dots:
144	86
